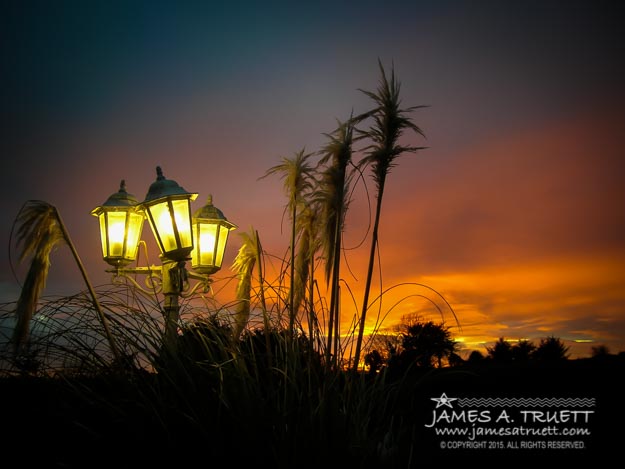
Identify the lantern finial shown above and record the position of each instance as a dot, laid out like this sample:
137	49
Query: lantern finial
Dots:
163	187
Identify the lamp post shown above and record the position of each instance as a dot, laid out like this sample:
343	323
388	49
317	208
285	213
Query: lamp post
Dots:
181	237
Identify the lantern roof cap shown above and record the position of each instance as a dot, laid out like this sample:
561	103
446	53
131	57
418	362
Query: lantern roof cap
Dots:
209	211
163	187
121	198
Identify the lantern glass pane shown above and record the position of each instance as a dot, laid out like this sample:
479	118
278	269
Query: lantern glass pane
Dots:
194	252
206	240
162	225
135	226
103	234
182	213
221	246
116	233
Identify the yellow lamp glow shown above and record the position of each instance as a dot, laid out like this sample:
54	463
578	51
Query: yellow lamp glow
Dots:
121	223
210	236
168	209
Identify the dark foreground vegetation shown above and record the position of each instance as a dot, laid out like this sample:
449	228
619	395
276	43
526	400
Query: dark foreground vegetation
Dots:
284	409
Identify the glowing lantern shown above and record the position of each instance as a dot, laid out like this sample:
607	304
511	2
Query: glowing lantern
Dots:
121	223
210	235
167	207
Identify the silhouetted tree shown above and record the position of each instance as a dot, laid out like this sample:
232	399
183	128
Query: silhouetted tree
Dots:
551	349
523	350
475	357
374	361
600	351
455	360
500	351
426	344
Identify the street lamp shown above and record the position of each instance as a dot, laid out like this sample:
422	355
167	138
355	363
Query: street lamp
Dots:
210	235
168	209
200	238
121	224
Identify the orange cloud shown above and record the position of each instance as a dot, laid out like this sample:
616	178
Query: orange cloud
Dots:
523	235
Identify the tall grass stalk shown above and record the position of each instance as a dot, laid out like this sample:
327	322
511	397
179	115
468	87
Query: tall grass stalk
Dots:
390	121
331	196
296	173
39	229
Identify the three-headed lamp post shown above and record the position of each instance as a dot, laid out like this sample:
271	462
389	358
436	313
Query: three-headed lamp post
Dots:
181	237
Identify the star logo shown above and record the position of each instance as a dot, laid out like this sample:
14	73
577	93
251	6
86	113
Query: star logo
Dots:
444	400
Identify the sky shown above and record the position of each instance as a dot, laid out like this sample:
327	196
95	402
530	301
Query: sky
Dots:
512	217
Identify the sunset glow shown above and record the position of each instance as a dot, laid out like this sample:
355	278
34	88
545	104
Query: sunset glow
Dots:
511	220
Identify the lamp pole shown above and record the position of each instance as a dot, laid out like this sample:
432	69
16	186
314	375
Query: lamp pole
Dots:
181	237
173	281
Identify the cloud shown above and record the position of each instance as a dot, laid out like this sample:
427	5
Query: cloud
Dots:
552	189
523	235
